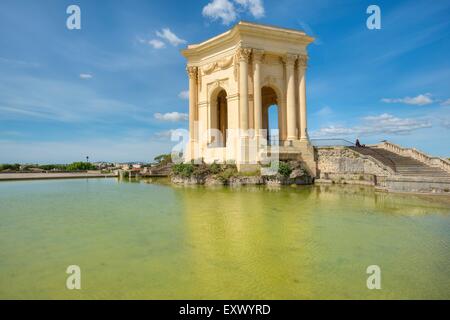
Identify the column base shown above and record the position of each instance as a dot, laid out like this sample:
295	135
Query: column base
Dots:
291	142
304	139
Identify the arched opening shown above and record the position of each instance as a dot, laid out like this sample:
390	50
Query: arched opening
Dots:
271	116
219	119
272	127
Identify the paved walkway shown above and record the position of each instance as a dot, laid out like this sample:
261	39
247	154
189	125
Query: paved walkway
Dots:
53	175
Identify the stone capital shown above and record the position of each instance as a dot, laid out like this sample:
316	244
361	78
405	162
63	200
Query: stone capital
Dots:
289	58
258	55
192	72
244	54
302	61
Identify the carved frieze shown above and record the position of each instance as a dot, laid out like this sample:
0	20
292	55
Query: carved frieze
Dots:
218	65
271	59
217	83
225	62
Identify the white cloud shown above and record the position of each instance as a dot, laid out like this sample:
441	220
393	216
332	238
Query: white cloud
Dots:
166	35
446	102
220	9
171	116
255	7
420	100
156	44
227	11
184	94
324	112
171	37
86	76
373	125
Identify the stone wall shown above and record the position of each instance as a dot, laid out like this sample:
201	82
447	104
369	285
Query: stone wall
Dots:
344	162
415	185
243	180
342	165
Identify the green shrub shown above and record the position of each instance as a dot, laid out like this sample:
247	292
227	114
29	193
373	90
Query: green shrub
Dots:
201	170
184	170
48	167
284	169
13	167
227	173
163	158
215	168
80	166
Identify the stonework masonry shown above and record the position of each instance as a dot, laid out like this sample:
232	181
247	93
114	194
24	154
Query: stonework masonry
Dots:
233	80
342	165
341	160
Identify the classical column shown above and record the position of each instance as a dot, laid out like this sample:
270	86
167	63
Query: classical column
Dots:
257	107
192	72
302	62
289	61
244	55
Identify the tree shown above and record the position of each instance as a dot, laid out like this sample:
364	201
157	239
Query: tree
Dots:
80	166
12	167
163	158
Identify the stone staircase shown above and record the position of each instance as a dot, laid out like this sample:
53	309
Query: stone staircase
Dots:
402	165
386	166
159	171
409	169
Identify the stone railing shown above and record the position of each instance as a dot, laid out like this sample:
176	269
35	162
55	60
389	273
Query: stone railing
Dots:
416	154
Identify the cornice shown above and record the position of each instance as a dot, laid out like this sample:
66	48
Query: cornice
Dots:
233	36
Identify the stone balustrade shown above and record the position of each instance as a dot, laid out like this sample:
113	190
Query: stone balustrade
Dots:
416	154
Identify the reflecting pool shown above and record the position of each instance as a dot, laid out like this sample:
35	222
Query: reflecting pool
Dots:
153	240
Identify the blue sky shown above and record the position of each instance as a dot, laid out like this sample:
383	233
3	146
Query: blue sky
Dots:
114	89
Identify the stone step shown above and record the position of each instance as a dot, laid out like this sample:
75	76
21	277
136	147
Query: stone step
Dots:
413	173
424	168
403	165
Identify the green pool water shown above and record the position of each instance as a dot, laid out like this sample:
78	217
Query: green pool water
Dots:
157	241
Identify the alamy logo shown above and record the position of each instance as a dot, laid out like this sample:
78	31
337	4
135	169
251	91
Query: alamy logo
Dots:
74	20
74	280
374	280
374	20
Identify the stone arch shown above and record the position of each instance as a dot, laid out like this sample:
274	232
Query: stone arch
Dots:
271	97
218	117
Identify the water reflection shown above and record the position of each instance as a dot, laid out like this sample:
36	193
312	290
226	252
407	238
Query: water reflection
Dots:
150	239
303	242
